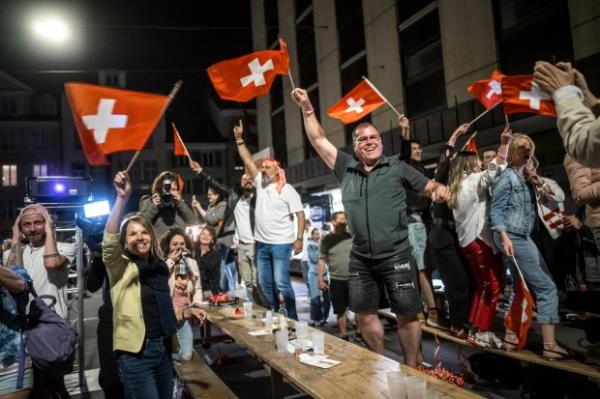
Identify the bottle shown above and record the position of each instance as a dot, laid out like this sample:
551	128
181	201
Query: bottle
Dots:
282	314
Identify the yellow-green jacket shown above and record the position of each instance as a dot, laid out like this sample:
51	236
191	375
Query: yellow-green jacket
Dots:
129	330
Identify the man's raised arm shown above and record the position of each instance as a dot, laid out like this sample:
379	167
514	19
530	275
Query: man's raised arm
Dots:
314	130
238	133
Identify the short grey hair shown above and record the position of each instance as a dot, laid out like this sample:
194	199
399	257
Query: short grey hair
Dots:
358	127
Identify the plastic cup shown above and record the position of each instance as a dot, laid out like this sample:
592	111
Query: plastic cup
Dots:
281	341
247	310
416	387
318	341
301	330
269	321
298	347
397	384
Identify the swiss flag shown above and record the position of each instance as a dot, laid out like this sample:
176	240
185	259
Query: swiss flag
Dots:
471	145
521	94
359	102
179	149
112	120
241	79
488	91
519	315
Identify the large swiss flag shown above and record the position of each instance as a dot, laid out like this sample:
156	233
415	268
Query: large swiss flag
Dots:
243	78
112	120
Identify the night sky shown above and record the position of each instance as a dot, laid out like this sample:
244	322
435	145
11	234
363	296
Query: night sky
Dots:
156	42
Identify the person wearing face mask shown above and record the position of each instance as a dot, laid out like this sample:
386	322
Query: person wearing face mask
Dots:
513	213
333	253
185	288
165	208
239	213
469	187
145	326
277	205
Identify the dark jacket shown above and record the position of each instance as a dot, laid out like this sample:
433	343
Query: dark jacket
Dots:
233	196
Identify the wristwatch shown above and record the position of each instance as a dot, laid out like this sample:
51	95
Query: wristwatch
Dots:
300	238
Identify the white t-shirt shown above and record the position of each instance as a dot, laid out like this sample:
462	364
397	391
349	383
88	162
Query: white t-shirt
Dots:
243	227
49	281
275	213
471	215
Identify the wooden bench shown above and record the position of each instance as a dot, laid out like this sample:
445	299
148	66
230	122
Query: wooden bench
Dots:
572	366
201	381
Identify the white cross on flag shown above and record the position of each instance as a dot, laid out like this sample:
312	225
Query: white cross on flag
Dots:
112	120
488	91
359	102
251	75
520	94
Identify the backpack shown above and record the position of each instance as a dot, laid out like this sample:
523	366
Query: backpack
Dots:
50	340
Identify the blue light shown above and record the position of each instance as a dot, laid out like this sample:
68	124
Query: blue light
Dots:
59	188
96	209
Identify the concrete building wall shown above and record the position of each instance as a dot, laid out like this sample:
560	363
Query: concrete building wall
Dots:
293	119
585	27
468	44
263	104
328	67
383	57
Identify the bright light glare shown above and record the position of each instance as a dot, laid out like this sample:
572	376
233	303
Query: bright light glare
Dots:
52	29
95	209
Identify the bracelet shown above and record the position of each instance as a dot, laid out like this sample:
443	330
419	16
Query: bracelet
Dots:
240	142
308	112
50	255
450	145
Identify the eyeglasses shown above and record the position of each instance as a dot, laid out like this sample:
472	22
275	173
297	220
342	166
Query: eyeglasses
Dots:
365	139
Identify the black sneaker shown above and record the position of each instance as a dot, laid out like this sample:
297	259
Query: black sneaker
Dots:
358	339
345	338
322	323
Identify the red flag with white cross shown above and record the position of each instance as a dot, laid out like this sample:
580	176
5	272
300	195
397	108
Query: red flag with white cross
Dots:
358	103
241	79
520	314
488	91
112	120
521	95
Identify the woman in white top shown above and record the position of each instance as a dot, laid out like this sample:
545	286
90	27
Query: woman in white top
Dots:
470	192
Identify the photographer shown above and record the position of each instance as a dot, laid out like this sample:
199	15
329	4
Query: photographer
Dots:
166	209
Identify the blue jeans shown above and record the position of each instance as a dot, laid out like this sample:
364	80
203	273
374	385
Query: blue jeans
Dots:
148	374
273	264
536	276
417	237
319	307
185	334
227	278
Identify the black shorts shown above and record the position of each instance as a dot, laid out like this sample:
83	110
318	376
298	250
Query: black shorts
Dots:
372	280
339	293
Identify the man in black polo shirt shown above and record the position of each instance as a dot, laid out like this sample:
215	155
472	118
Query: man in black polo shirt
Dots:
374	199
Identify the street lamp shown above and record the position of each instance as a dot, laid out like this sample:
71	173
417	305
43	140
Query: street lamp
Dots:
51	29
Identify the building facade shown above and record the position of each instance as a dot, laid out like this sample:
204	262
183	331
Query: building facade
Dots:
422	54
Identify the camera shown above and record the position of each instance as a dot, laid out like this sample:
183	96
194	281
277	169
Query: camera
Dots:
166	198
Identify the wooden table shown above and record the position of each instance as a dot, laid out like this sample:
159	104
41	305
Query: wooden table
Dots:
361	373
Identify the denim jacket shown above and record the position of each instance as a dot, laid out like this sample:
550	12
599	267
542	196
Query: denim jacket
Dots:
512	208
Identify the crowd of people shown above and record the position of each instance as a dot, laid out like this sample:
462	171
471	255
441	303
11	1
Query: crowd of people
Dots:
467	221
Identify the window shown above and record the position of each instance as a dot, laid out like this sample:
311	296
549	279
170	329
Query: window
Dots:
37	140
150	170
522	25
8	106
78	169
40	170
8	210
351	31
305	40
9	175
272	21
423	65
9	140
408	8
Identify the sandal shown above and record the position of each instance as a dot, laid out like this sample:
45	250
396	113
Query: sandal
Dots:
566	355
510	345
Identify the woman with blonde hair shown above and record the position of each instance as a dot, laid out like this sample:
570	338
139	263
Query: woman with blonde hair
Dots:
469	196
513	214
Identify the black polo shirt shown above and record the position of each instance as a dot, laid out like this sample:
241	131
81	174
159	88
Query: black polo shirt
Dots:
375	203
